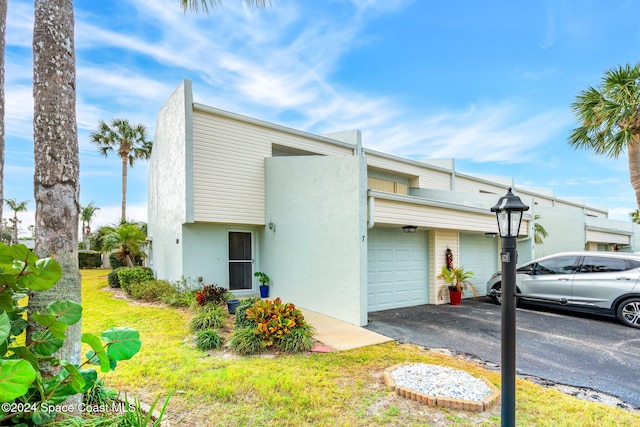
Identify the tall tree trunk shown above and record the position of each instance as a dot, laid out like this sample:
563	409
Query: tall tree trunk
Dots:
633	149
124	189
56	187
3	33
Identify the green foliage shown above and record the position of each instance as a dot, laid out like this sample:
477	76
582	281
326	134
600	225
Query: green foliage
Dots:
275	321
99	394
208	339
89	259
112	278
298	340
241	320
212	294
262	277
21	382
457	279
126	240
153	290
129	276
208	317
246	342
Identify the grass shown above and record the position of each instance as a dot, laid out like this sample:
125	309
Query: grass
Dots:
327	389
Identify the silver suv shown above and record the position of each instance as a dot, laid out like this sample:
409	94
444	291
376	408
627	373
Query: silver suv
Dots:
606	282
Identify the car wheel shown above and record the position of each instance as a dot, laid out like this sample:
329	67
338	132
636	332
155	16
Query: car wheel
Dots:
498	298
629	312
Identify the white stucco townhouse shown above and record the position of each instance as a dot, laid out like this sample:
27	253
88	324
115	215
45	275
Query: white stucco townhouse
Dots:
230	195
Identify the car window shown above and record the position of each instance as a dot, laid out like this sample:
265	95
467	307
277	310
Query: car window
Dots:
557	265
526	269
596	264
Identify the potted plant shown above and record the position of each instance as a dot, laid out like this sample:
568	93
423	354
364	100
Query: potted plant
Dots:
264	283
457	282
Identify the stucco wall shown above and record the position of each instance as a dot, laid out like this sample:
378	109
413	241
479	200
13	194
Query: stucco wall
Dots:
206	253
168	184
566	229
316	257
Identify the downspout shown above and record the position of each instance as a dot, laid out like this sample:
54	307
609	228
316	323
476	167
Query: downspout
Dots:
370	215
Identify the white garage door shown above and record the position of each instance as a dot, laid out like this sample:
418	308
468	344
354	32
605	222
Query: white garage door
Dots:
397	269
480	255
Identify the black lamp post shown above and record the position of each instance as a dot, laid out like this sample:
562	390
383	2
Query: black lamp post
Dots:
509	211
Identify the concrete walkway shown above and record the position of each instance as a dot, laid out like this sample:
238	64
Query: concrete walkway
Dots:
339	335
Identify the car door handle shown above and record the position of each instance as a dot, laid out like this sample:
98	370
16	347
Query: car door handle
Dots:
563	280
623	278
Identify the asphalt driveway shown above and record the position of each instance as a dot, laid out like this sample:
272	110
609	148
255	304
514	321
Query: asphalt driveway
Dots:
568	348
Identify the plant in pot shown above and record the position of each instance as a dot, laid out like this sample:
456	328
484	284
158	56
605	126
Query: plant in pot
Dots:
264	283
457	282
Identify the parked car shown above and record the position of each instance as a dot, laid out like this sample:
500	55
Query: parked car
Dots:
603	282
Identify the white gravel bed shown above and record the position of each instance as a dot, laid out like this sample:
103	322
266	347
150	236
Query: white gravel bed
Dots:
434	380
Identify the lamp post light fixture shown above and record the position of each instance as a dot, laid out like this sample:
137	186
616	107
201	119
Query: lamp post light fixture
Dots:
409	228
509	210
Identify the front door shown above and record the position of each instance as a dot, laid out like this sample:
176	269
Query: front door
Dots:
240	261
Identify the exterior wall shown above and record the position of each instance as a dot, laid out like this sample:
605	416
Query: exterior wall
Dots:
169	186
442	239
317	255
419	174
392	209
566	228
228	163
206	253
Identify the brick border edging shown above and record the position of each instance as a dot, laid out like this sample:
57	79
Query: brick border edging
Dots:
486	404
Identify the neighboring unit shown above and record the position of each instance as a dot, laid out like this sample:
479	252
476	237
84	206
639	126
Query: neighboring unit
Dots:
339	229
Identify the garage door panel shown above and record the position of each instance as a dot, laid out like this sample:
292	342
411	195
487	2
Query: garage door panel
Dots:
397	269
478	254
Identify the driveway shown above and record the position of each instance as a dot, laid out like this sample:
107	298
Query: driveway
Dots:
569	348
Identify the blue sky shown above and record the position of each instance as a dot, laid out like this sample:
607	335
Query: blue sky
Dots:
487	83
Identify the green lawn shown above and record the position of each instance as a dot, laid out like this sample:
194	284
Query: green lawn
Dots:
334	389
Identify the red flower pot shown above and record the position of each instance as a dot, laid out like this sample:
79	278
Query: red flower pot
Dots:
455	297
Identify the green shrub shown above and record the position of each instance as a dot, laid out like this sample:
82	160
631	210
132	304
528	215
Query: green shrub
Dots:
241	320
299	339
208	317
112	278
152	290
246	342
281	325
89	259
99	394
115	261
212	294
208	339
129	276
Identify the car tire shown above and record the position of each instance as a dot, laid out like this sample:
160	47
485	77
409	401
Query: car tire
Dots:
629	312
498	299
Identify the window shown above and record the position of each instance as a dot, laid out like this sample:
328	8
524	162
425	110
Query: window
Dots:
240	261
595	264
558	265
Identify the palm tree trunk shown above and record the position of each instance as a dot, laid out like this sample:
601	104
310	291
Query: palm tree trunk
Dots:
634	166
124	189
56	187
3	32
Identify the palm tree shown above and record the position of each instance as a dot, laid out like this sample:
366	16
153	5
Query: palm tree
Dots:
56	162
126	239
539	232
130	143
610	117
195	5
86	215
16	207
